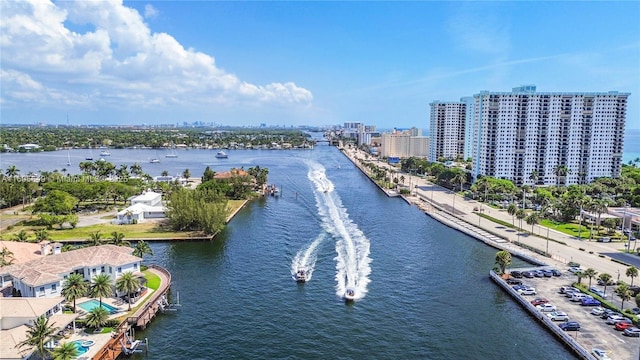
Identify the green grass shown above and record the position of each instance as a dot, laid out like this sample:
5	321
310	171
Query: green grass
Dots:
573	229
132	231
153	280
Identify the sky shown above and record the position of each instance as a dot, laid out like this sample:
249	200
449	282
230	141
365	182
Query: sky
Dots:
301	63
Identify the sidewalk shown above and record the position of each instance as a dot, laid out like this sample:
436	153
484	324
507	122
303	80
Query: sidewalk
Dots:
592	254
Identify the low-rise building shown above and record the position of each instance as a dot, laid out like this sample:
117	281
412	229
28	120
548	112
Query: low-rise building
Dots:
143	207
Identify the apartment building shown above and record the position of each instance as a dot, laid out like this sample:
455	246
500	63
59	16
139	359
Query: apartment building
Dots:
526	136
404	145
447	130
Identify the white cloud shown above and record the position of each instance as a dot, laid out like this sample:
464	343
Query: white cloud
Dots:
118	61
150	11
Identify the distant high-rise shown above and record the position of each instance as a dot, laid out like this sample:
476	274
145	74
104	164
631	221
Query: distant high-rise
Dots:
548	138
447	130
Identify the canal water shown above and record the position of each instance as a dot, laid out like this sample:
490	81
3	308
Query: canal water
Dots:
422	289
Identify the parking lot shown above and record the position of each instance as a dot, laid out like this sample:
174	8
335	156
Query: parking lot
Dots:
594	331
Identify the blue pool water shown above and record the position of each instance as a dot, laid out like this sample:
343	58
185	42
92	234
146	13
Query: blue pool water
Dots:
93	303
81	349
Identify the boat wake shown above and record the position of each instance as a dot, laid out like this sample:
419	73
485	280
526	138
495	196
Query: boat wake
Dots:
305	259
352	246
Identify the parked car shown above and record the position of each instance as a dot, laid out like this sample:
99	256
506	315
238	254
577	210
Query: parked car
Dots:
597	311
516	274
604	239
570	326
556	272
527	291
635	290
590	302
546	307
623	325
612	319
600	354
573	264
569	293
528	274
539	301
636	311
577	297
514	281
547	273
538	273
598	292
609	312
624	321
558	316
631	332
563	289
575	269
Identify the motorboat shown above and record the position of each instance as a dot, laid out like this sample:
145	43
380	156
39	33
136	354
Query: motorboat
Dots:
222	155
154	161
349	295
105	153
301	276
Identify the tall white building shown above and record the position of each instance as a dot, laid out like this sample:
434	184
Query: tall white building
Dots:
447	130
468	125
525	136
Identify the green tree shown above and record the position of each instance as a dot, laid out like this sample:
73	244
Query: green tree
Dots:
101	286
503	260
590	273
65	351
164	173
632	272
533	219
117	239
141	248
56	202
38	334
624	293
95	238
12	171
579	275
208	174
512	210
521	214
21	236
606	280
128	283
97	317
186	174
460	177
41	235
561	172
74	287
6	257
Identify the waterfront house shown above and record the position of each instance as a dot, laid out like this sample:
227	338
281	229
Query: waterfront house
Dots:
145	206
17	312
43	277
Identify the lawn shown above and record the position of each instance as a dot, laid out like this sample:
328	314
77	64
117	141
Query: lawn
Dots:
573	229
153	280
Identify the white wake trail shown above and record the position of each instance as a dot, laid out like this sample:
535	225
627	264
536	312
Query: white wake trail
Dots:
352	246
305	259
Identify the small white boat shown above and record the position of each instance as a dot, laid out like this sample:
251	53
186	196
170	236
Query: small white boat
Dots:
349	295
301	276
600	354
154	161
171	155
222	155
105	153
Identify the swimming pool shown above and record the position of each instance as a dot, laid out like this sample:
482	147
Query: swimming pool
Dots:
81	349
93	303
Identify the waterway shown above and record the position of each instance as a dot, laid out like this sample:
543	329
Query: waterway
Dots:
422	289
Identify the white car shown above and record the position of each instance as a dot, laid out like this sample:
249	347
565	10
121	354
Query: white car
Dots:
597	311
546	307
578	297
527	291
558	316
598	292
600	354
611	320
575	269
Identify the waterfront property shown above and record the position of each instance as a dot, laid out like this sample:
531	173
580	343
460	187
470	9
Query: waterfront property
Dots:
447	130
44	276
143	207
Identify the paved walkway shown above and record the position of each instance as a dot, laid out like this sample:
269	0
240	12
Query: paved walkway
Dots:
562	247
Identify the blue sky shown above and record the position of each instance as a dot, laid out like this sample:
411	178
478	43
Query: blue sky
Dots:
295	63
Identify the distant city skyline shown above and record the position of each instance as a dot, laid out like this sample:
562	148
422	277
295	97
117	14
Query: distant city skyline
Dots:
301	63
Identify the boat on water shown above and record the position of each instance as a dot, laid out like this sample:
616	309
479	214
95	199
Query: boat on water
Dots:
154	161
222	155
301	276
171	155
105	153
68	157
349	295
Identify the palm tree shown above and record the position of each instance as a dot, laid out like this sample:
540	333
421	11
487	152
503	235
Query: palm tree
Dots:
65	351
186	174
101	286
606	280
95	238
97	317
22	236
74	287
164	173
12	171
117	239
141	249
561	171
402	179
599	207
459	178
42	235
38	334
534	176
520	214
136	169
128	283
632	272
6	257
624	293
533	219
503	260
590	273
579	275
512	210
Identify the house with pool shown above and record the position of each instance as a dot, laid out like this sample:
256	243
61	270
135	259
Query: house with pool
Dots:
44	277
17	312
